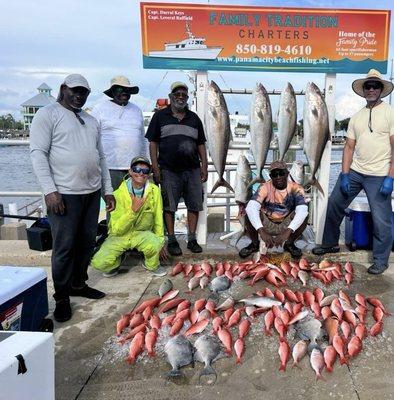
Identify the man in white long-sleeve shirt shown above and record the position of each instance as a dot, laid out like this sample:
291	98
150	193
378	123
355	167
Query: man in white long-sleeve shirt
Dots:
121	127
69	162
277	213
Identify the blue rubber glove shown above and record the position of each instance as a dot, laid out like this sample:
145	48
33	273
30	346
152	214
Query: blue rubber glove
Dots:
387	186
345	184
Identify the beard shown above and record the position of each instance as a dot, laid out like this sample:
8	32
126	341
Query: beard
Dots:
180	107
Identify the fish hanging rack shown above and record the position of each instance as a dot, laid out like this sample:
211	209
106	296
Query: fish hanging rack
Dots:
271	92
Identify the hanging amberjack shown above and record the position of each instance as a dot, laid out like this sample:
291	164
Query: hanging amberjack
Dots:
287	119
217	126
316	130
260	129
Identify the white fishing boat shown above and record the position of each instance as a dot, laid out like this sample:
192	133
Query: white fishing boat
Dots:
192	47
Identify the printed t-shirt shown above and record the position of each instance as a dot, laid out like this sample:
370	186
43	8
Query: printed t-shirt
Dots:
278	204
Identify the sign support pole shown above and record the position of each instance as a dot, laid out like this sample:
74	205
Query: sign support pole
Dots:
201	87
320	201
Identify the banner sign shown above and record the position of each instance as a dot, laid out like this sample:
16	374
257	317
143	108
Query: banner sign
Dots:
216	37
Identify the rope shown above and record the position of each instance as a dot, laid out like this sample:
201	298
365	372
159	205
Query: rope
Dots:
154	90
239	106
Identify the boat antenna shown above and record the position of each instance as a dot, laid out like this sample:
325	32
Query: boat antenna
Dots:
154	91
188	31
240	107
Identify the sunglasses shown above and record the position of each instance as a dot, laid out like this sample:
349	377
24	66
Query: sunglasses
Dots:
276	173
120	90
180	94
372	85
138	170
79	118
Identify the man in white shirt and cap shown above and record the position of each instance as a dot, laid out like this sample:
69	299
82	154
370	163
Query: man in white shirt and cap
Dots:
367	163
122	128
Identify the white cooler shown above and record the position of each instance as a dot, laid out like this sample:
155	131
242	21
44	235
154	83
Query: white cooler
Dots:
27	366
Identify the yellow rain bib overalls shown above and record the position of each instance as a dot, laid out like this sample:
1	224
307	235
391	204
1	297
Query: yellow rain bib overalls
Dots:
143	230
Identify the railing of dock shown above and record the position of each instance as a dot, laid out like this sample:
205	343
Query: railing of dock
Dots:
319	201
223	199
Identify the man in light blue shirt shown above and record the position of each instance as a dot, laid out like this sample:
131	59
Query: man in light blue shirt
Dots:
69	162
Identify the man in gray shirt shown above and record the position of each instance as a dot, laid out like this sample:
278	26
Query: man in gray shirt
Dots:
69	162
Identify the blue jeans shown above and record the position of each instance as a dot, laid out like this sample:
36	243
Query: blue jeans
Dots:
381	211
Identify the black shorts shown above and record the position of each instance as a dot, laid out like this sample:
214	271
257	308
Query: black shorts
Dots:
186	184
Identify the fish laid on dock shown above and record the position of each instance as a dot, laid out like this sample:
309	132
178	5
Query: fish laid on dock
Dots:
179	352
327	326
219	284
207	350
165	287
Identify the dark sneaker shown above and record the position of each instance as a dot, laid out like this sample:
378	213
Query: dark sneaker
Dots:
248	250
111	273
194	247
122	258
174	249
292	249
62	311
319	251
87	292
377	270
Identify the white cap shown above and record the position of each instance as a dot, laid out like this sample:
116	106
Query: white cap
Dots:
75	80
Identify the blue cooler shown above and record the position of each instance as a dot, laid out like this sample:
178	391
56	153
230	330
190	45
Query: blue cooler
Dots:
23	298
359	225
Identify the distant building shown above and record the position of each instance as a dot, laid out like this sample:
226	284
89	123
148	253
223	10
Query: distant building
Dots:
31	106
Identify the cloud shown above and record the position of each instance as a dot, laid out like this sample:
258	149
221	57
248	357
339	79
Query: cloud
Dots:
39	73
53	39
347	105
7	103
4	93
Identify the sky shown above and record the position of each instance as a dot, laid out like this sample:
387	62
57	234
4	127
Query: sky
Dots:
45	40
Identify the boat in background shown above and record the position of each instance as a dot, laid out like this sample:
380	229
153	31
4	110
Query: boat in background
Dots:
192	47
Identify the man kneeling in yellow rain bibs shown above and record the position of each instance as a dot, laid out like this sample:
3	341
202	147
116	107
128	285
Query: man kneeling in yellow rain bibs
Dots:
136	223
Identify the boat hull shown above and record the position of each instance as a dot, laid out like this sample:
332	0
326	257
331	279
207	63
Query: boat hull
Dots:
202	54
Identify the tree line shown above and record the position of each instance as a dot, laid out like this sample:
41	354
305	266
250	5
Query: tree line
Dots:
8	122
339	126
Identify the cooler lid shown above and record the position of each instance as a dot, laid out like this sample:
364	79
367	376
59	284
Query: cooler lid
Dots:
15	280
361	204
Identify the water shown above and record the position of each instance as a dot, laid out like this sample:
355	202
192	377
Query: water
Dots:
16	174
